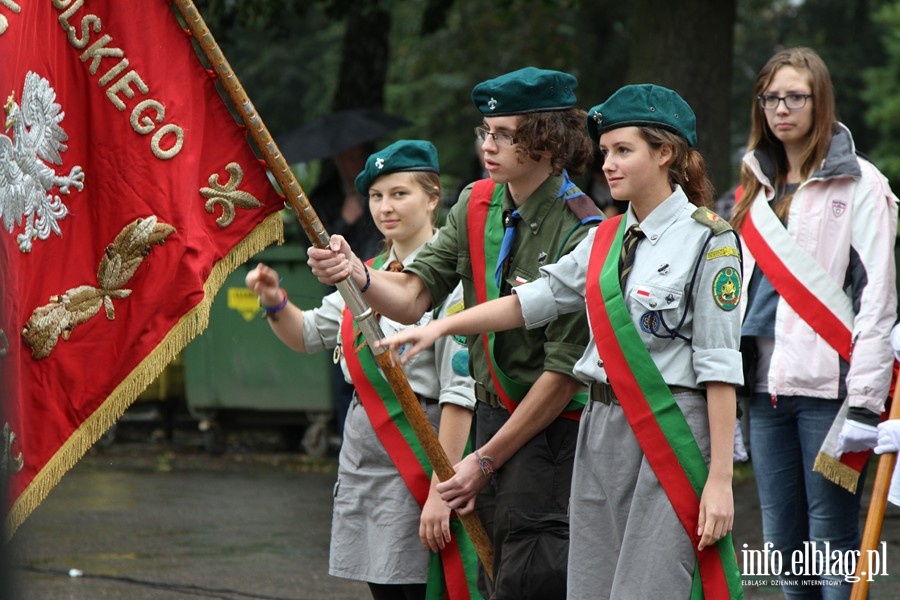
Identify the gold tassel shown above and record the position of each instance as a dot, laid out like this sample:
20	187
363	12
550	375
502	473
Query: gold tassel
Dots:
836	472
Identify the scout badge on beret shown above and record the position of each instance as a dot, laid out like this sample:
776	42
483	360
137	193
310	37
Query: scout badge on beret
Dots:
404	155
644	105
524	91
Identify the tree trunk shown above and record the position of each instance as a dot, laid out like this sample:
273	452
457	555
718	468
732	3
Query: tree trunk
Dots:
687	46
364	58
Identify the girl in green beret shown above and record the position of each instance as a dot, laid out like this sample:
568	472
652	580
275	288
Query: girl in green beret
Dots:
651	505
390	527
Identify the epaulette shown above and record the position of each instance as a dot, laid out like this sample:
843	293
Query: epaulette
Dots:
584	208
704	216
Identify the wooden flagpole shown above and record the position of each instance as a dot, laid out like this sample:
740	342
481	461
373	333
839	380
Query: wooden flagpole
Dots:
877	504
316	233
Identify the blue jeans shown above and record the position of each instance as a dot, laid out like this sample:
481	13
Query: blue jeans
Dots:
798	505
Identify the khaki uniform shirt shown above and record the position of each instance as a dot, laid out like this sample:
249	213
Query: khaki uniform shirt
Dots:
546	231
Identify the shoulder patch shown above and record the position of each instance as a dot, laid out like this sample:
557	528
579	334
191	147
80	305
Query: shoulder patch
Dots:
584	209
727	289
455	308
723	252
704	216
460	362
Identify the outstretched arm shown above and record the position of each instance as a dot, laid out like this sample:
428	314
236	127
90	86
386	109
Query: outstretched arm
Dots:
497	315
286	323
400	296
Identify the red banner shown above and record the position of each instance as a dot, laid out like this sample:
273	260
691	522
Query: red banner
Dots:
127	194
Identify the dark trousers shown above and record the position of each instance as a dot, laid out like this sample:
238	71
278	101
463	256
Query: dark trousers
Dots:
525	511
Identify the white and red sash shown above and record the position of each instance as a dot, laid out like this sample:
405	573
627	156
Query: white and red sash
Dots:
804	284
818	299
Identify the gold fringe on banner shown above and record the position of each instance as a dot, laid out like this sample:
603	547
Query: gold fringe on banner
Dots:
107	414
836	472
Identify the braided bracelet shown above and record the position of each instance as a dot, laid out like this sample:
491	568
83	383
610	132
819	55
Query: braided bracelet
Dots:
368	280
271	310
486	463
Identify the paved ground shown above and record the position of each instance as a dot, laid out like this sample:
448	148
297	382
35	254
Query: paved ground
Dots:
145	520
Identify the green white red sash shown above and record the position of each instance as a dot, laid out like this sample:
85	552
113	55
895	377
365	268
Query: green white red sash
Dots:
451	572
485	228
819	300
658	424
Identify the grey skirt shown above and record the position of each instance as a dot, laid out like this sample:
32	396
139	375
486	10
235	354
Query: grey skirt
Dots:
375	522
626	541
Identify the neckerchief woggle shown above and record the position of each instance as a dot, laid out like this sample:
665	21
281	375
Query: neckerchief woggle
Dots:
452	572
820	302
485	228
658	424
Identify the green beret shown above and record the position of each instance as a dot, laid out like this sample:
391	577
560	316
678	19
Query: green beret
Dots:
404	155
524	91
644	105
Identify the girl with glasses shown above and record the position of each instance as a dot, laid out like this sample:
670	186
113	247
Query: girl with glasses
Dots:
651	505
818	224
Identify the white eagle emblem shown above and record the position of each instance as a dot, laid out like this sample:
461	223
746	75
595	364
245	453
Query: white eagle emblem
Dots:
26	181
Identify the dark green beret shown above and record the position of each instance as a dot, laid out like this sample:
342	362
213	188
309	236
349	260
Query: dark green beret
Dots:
644	105
404	155
524	91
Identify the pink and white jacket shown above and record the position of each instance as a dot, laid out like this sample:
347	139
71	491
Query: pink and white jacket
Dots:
845	218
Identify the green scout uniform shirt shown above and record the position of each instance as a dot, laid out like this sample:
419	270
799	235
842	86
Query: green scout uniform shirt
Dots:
547	231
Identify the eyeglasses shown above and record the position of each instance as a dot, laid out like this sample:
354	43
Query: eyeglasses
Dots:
501	139
791	101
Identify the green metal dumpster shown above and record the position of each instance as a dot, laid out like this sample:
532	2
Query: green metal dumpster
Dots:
238	373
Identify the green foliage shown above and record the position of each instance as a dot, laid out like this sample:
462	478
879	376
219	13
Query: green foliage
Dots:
280	50
431	76
288	56
882	92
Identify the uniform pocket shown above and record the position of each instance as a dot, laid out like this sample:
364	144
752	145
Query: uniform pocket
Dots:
656	297
660	306
521	276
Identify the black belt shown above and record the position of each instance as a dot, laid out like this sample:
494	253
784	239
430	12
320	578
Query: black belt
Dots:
603	392
426	399
483	395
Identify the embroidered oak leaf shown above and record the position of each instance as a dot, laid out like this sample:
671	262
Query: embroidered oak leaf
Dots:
79	304
227	195
122	258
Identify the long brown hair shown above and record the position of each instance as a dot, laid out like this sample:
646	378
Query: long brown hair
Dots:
430	182
761	137
687	167
561	133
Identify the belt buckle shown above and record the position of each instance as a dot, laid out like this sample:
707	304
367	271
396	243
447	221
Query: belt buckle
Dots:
603	394
483	395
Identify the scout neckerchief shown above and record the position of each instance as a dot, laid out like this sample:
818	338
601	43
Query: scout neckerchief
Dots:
458	558
818	299
658	424
485	228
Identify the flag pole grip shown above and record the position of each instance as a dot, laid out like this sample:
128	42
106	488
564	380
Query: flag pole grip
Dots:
877	505
315	231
